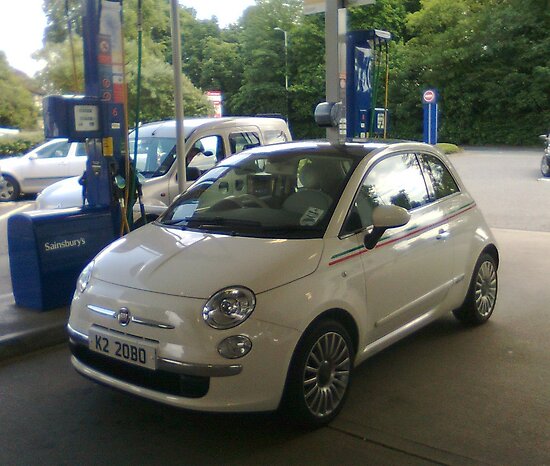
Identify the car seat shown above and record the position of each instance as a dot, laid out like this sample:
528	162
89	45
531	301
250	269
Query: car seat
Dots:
310	195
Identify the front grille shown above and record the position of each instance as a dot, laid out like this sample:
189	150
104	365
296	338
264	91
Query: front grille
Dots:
188	386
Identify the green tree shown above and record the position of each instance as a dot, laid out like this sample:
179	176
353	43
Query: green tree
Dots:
58	77
196	33
262	49
489	62
307	71
17	109
157	96
157	91
58	15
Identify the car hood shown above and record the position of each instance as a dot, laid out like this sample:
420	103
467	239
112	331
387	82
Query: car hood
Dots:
196	264
64	193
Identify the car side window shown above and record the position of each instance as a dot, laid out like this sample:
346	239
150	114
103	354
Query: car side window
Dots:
441	179
242	141
81	150
57	149
395	180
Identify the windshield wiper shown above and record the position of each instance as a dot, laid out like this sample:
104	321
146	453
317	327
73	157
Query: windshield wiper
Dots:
207	222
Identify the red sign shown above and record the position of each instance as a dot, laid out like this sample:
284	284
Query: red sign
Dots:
216	98
429	96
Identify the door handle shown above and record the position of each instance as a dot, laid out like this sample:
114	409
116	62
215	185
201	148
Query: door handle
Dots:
442	234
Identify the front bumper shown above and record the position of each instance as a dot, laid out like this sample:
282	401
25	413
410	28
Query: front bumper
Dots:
189	371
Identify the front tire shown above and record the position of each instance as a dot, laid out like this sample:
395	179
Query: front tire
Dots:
545	166
482	294
9	189
320	375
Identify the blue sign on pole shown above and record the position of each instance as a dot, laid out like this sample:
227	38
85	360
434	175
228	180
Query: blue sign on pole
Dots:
429	102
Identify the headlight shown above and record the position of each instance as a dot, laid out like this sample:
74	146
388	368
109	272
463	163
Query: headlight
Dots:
84	277
229	307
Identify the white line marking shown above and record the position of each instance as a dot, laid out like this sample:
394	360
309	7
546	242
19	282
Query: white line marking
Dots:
14	211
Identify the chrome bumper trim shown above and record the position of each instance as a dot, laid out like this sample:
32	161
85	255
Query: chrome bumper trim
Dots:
77	337
170	365
137	320
199	370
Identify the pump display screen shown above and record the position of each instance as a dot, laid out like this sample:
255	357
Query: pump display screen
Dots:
86	118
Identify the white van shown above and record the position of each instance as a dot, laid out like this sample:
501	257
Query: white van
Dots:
213	138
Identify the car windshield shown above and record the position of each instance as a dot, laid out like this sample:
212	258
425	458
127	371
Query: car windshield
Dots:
278	195
154	155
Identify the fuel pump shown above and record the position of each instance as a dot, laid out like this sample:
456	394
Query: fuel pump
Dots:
101	122
49	249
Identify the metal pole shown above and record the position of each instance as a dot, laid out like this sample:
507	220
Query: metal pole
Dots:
332	59
176	63
286	60
286	67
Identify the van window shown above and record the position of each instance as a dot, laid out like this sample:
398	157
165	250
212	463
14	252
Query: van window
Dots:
274	136
208	151
242	141
154	155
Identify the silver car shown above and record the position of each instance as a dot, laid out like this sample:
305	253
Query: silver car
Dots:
50	162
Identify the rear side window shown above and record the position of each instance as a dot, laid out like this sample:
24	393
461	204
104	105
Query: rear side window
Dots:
243	141
441	179
57	149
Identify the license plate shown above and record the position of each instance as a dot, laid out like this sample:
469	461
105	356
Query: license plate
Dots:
123	347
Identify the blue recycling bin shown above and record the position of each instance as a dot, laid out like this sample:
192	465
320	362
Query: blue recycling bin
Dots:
49	249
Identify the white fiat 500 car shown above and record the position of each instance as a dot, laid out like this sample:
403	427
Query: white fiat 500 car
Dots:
277	272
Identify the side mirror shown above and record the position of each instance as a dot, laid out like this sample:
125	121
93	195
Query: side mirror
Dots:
384	217
33	157
192	173
544	137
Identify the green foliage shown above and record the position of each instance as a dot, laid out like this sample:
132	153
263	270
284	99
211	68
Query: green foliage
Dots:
58	18
63	73
263	55
19	144
488	59
157	89
448	148
196	34
307	75
157	92
17	109
490	62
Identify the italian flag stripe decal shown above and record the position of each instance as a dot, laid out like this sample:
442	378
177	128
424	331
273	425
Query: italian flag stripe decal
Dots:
357	251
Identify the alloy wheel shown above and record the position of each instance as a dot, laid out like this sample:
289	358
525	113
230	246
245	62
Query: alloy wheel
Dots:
486	289
326	374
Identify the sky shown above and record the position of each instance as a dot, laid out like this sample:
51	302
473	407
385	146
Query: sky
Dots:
22	24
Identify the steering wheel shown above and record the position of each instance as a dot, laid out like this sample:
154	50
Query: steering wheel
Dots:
239	202
246	199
